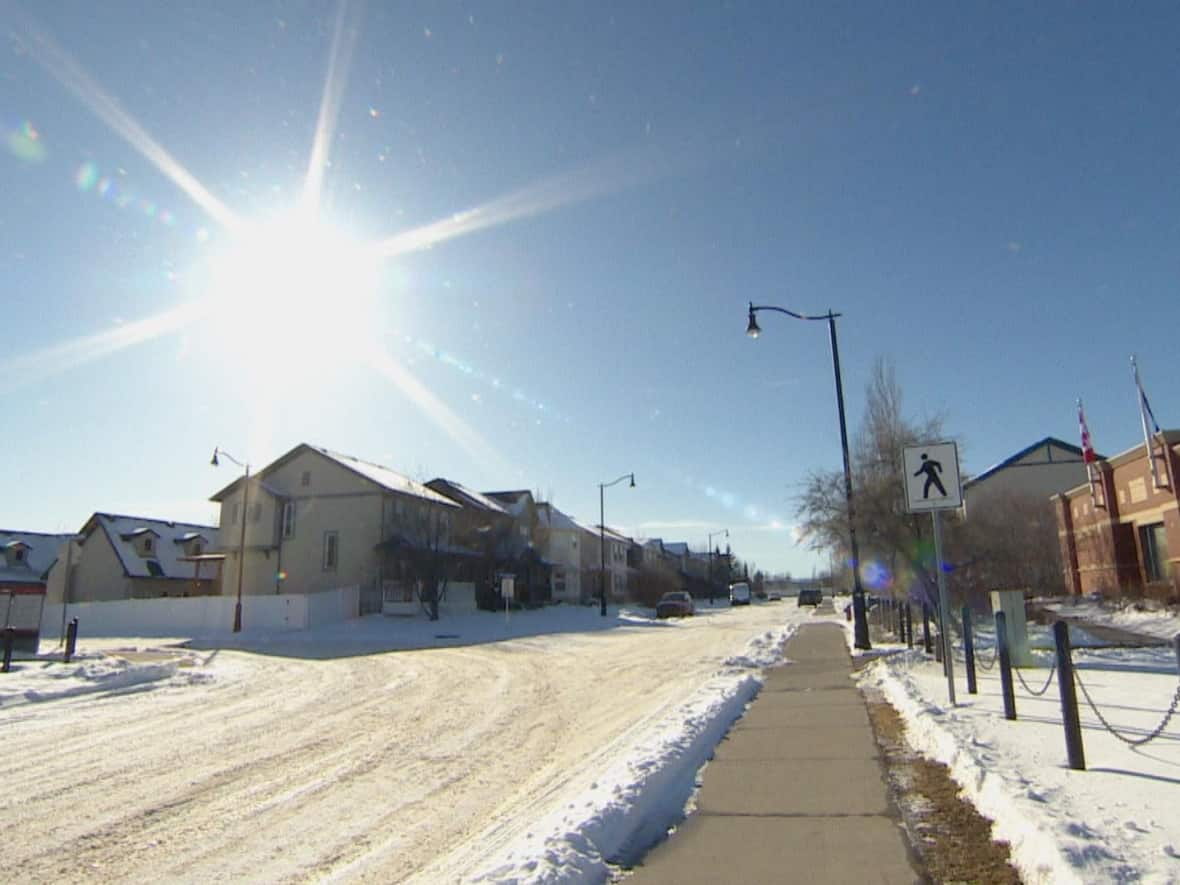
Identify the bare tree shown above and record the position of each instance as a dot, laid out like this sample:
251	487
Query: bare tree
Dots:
888	534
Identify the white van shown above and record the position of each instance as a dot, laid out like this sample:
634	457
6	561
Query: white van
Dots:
739	593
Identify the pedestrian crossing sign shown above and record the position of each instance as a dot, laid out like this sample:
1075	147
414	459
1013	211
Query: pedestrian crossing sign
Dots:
932	477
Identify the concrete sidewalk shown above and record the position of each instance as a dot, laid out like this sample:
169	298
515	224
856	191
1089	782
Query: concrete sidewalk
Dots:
795	791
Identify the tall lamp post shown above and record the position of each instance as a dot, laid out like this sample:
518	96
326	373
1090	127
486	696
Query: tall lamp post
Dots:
861	625
709	545
242	535
602	486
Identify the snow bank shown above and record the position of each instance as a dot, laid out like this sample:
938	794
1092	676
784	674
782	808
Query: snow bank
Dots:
620	813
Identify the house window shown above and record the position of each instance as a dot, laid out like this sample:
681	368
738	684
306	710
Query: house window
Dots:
233	514
1153	541
197	548
305	480
330	551
20	554
256	512
559	580
289	519
147	545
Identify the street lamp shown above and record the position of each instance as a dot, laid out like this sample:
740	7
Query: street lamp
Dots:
861	625
709	546
602	535
242	536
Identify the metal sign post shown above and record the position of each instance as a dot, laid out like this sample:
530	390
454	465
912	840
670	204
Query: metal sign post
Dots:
932	484
507	590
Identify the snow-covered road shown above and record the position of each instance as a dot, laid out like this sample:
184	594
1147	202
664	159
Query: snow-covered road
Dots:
311	761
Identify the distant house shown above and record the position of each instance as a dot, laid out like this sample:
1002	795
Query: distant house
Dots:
24	573
531	568
133	557
619	560
560	545
318	520
1047	467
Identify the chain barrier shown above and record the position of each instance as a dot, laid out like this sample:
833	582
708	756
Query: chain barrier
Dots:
1044	688
1134	742
991	665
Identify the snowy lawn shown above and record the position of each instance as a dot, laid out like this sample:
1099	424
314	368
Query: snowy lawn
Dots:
1115	821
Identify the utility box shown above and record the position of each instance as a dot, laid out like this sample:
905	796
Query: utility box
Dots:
1011	603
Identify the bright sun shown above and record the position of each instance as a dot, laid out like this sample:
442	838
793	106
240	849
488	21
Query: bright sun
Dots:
298	291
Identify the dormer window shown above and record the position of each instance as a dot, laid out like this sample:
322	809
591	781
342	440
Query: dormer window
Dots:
144	541
16	553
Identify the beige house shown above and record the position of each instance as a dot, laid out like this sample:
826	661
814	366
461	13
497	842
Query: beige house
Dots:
560	546
618	570
131	557
317	520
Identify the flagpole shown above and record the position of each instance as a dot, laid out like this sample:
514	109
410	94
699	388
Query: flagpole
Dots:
1088	456
1144	412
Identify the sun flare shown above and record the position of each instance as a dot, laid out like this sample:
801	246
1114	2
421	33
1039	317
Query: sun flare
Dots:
297	290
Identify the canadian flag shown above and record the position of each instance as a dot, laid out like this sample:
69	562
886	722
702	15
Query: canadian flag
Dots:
1088	455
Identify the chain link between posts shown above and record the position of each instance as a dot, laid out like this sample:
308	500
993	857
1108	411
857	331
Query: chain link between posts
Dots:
1134	742
1044	688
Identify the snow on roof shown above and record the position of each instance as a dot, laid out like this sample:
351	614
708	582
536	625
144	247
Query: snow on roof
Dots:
166	559
472	498
607	531
553	518
386	478
40	553
516	502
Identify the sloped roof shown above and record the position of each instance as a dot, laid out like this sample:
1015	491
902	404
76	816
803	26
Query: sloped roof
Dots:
41	553
516	502
384	477
554	519
466	496
676	548
1012	459
166	561
595	530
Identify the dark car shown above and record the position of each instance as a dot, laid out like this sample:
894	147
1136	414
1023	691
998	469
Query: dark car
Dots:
811	597
677	604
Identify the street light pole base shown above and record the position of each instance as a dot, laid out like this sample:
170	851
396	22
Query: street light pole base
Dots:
238	617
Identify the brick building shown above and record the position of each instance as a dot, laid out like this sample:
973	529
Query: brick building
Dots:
1123	538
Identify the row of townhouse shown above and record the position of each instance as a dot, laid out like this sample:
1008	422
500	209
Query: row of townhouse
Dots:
316	520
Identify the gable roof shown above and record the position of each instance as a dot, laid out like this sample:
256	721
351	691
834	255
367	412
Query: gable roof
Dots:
167	560
515	502
1052	441
41	552
464	495
554	519
384	477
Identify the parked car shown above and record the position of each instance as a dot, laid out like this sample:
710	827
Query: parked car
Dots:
773	596
739	593
811	597
676	604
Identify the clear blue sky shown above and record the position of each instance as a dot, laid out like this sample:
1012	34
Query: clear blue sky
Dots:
989	194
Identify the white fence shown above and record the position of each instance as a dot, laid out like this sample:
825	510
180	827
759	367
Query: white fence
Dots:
203	615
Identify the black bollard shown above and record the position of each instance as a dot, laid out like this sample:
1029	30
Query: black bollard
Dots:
9	640
926	628
1069	698
1005	666
969	650
71	639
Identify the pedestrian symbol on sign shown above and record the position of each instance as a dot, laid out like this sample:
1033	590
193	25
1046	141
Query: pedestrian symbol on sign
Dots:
931	468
